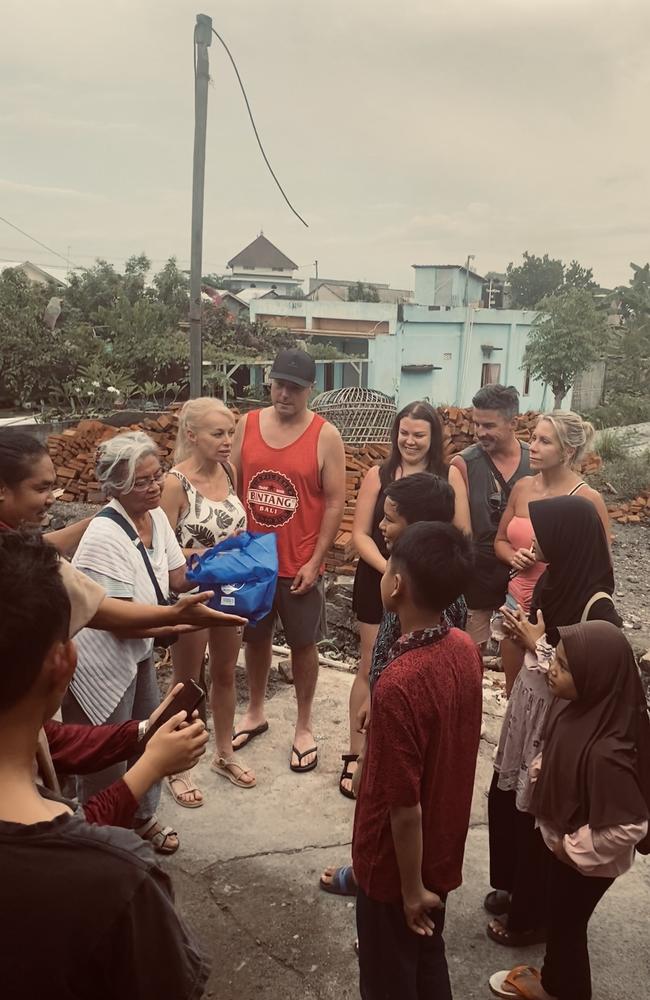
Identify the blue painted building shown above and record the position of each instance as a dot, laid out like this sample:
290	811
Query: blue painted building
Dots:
442	347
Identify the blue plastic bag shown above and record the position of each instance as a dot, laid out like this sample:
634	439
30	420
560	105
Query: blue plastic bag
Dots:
242	571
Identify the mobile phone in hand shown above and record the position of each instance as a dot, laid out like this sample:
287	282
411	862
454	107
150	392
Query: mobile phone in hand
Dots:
188	699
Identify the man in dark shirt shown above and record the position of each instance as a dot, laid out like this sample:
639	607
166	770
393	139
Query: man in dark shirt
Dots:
490	468
88	913
415	792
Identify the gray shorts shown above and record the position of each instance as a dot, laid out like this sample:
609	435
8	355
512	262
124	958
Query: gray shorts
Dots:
302	615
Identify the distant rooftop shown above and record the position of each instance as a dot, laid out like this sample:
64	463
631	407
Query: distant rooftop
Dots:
262	253
449	267
56	273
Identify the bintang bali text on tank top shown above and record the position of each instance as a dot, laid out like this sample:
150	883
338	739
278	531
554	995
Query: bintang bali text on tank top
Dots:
282	492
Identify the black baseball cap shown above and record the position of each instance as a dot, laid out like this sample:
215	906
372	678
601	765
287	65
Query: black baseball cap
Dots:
294	365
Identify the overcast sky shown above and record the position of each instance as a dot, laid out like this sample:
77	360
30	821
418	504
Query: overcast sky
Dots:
404	133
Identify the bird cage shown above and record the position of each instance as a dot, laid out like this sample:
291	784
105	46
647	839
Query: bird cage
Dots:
363	416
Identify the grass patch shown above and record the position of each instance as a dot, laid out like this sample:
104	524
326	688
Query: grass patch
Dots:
620	411
611	445
628	474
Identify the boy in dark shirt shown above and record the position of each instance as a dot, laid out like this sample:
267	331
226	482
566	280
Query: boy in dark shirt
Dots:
88	911
415	791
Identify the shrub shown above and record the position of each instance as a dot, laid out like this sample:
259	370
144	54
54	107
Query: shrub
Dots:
611	445
622	410
629	475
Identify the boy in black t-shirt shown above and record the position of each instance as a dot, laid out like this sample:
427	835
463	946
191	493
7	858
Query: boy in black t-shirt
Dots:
88	913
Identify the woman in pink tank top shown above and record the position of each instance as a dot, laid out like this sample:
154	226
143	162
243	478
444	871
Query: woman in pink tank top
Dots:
557	448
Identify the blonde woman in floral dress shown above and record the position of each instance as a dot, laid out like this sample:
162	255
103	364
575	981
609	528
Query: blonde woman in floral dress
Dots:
201	502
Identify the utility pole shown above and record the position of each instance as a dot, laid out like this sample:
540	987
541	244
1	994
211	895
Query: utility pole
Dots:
470	257
316	269
202	41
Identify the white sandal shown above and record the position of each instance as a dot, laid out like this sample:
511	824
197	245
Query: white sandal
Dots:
224	765
185	777
158	835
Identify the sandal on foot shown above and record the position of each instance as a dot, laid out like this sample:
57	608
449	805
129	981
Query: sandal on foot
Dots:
514	982
301	768
497	902
158	836
225	766
185	778
514	939
346	774
250	734
343	882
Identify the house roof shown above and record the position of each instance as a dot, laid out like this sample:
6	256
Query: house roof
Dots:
449	267
59	275
262	253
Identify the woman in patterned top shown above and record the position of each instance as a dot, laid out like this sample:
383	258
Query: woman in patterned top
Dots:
201	502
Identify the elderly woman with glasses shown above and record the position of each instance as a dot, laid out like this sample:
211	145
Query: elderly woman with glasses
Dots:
115	680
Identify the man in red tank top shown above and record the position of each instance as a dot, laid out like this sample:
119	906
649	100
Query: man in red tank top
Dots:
291	466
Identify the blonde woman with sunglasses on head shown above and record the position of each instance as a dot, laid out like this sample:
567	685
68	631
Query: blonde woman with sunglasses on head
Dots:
201	502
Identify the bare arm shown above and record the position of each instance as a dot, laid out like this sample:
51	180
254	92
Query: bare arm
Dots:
333	481
237	441
462	518
406	829
132	620
519	559
362	525
66	539
594	496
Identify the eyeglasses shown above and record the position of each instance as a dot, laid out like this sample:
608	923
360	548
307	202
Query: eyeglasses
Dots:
142	485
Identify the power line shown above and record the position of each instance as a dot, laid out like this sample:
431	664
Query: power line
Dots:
259	141
34	240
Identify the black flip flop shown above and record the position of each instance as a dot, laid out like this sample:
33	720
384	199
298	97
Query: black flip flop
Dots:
497	902
250	734
516	939
305	753
347	758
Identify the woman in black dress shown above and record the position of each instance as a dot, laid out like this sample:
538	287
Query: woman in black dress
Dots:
416	446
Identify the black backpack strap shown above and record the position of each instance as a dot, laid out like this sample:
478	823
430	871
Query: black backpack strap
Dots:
507	490
227	468
129	530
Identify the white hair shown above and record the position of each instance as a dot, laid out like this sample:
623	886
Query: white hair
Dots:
192	416
574	434
118	458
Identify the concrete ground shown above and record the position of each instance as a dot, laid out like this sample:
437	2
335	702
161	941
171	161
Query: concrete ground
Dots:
246	876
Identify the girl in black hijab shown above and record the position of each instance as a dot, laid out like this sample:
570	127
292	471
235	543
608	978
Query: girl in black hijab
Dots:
571	537
591	799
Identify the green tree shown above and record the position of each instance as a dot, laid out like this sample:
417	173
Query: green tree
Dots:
628	369
172	288
577	276
534	280
33	358
361	292
567	337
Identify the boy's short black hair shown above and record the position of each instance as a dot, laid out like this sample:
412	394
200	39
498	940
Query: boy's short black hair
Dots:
34	611
504	398
437	559
422	497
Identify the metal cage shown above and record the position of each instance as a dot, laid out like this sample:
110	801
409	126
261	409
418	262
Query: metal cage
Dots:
363	416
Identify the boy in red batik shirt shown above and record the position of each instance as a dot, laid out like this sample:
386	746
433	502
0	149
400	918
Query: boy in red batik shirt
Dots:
415	791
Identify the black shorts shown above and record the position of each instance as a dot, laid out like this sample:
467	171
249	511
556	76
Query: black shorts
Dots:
366	594
302	615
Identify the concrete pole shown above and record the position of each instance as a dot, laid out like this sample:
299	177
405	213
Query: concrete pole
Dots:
202	41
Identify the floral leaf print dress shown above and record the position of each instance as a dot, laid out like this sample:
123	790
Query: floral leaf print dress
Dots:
208	522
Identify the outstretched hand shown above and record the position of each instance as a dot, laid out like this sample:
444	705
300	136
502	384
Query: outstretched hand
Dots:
191	610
